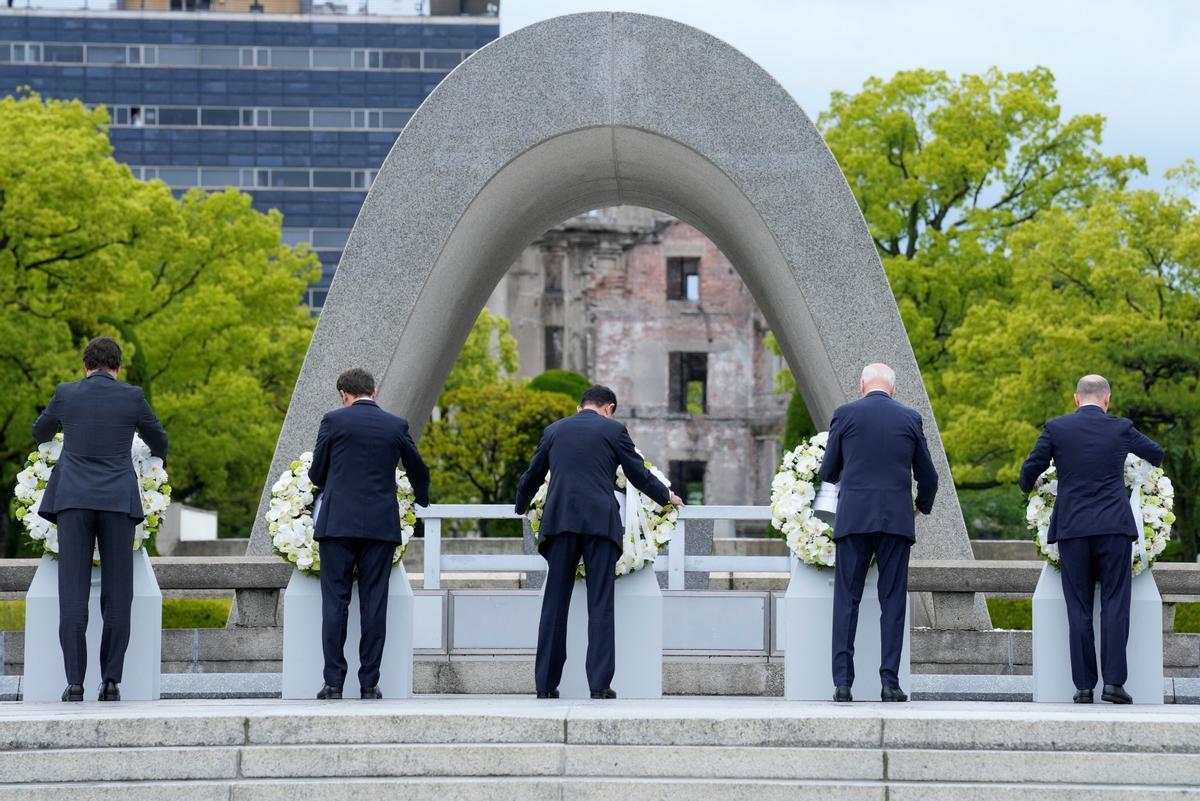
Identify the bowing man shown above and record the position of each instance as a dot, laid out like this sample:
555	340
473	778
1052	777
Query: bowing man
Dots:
1093	524
581	519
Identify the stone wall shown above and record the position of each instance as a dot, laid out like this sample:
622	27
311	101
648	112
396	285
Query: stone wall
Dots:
598	285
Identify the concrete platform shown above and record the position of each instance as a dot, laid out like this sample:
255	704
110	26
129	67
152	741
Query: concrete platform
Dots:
472	747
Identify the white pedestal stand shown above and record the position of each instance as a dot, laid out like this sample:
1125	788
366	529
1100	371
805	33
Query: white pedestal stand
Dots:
1051	647
639	613
806	625
303	659
45	677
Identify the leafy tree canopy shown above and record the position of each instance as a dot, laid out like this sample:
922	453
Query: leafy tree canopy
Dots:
199	290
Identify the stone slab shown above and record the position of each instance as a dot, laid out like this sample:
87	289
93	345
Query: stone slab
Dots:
723	762
416	722
418	789
118	764
407	759
719	790
118	791
1053	767
1007	792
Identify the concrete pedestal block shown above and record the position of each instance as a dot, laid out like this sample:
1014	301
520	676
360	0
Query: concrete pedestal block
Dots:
1052	681
806	637
303	659
639	639
45	676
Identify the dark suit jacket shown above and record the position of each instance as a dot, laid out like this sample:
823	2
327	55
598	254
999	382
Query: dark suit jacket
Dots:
354	464
581	453
1089	449
98	416
876	447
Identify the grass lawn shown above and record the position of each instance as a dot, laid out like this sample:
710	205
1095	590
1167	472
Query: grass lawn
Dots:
178	613
1012	613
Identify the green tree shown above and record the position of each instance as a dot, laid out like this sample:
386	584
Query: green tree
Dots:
488	356
482	443
946	171
199	290
1112	288
564	382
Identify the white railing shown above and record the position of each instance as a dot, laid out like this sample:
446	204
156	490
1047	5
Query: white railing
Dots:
676	563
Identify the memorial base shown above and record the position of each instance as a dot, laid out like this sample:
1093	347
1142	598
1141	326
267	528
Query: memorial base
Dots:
45	676
304	660
1052	681
639	639
805	635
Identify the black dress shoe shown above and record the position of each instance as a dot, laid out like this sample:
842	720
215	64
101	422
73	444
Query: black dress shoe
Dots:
74	692
604	695
109	691
1083	696
371	694
893	694
548	694
842	694
330	693
1115	694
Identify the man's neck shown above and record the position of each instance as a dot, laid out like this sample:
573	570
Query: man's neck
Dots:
1093	403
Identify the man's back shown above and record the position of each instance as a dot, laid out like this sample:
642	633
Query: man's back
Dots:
581	454
354	465
1089	448
98	416
876	446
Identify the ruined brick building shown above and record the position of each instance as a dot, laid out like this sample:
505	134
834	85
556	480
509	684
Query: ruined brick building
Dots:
649	306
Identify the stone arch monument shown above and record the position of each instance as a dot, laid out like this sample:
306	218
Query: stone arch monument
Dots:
592	110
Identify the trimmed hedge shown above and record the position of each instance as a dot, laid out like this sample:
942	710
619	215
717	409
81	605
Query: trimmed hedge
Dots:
564	382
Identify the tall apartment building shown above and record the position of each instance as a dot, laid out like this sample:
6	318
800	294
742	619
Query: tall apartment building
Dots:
649	306
298	110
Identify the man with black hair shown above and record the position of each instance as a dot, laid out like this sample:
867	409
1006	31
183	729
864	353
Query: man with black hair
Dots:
581	519
359	447
93	496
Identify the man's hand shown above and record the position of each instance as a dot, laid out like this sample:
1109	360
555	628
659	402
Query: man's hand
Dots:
676	500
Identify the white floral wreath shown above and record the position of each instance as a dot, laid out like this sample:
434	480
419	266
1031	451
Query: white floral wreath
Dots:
640	544
1151	493
32	481
290	516
792	493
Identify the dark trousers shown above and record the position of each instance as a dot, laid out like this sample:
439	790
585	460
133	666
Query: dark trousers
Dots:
562	552
78	532
341	557
1084	561
854	553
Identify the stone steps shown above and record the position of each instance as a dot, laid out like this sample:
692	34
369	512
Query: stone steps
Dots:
678	749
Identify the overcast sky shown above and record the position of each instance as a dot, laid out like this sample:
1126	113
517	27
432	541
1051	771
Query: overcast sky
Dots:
1136	62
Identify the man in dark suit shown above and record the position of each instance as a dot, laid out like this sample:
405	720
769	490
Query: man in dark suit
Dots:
1093	524
359	447
93	495
581	518
876	447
